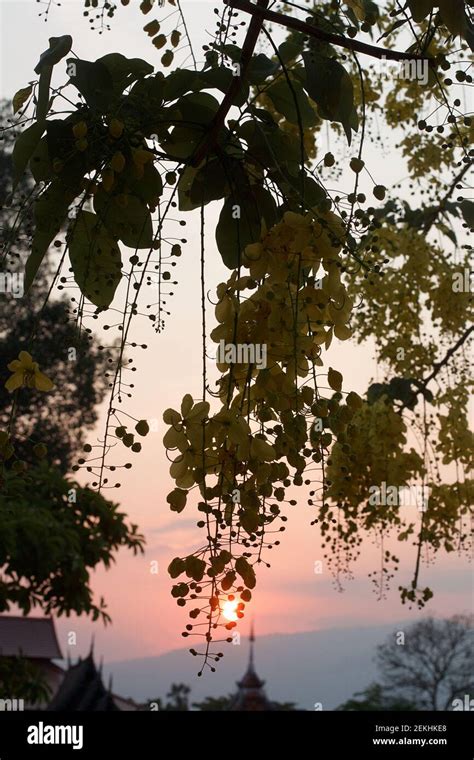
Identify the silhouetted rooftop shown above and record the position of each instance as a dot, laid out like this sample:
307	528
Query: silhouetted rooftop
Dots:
31	637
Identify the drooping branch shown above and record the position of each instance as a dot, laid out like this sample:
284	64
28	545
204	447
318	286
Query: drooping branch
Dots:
437	366
333	39
432	218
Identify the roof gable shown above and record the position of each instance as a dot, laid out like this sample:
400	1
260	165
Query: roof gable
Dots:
31	637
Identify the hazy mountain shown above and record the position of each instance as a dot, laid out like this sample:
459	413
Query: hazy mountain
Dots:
325	666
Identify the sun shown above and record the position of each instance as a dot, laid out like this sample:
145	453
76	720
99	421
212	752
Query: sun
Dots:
229	609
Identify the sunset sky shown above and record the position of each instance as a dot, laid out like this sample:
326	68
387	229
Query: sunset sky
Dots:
289	596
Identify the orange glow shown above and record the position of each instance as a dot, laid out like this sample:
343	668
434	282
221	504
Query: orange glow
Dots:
229	609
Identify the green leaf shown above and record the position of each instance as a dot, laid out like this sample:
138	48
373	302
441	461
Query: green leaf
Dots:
291	101
50	211
270	146
142	427
195	568
260	68
335	379
95	259
291	186
94	82
176	567
330	86
250	520
25	146
291	48
146	96
221	78
246	572
21	97
201	186
182	142
233	52
240	222
58	48
198	107
180	590
454	16
131	224
40	164
467	210
177	499
124	71
228	580
150	187
178	83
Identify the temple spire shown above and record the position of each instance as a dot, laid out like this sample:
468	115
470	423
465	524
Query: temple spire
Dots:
251	694
252	646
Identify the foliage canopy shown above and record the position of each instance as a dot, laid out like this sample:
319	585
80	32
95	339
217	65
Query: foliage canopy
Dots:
309	264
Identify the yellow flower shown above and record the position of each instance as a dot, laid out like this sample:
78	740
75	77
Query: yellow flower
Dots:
27	373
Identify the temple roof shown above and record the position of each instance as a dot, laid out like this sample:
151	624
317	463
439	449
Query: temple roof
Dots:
31	637
83	689
251	695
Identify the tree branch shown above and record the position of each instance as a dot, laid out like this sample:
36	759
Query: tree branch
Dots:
437	366
248	47
320	34
439	209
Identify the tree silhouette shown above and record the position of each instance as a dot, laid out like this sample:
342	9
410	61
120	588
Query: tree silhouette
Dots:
434	666
374	699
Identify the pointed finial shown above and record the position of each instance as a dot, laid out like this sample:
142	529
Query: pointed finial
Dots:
252	642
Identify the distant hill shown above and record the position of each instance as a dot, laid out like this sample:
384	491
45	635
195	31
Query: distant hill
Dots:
325	666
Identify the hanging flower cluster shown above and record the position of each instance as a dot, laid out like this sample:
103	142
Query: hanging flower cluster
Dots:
273	418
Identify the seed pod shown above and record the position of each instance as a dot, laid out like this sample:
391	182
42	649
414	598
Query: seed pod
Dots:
118	162
80	129
138	171
167	58
116	128
121	200
159	41
152	28
81	144
142	157
108	179
357	164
